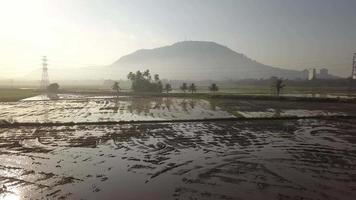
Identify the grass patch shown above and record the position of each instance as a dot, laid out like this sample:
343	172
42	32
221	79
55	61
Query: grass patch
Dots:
237	114
7	94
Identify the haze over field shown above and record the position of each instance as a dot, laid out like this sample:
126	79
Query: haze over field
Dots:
177	99
188	60
197	60
78	34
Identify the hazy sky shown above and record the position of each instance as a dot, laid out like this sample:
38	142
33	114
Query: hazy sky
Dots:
295	34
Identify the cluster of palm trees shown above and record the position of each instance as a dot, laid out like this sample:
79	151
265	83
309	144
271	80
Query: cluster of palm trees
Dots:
192	88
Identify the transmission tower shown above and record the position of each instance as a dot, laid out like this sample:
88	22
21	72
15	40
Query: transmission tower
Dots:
353	75
45	79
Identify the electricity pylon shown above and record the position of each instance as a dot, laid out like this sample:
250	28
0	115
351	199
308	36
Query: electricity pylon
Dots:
45	79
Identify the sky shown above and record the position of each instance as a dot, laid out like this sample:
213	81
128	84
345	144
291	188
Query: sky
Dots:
292	34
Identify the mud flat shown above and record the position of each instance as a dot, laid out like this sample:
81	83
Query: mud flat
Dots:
271	159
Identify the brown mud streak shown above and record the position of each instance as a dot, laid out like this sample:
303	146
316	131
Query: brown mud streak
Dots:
12	179
51	124
168	169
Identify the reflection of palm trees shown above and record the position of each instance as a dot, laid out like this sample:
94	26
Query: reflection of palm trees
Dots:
116	106
45	111
158	103
192	103
212	104
184	105
168	103
140	105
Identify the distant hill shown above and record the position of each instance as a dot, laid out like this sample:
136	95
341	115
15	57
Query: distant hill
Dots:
199	60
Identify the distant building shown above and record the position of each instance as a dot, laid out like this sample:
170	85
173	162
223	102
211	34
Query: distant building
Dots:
312	74
324	74
305	74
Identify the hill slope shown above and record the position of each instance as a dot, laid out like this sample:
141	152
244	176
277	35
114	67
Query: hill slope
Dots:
199	60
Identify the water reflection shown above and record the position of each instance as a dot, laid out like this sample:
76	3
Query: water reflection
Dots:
162	108
6	194
168	103
45	110
183	159
170	106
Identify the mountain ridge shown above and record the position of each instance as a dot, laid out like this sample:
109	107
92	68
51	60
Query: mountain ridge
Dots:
199	60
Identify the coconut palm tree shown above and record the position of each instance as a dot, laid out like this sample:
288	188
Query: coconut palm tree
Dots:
116	88
168	88
192	88
214	88
184	87
279	85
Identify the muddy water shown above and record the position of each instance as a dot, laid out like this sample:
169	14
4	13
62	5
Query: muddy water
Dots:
295	159
104	109
99	109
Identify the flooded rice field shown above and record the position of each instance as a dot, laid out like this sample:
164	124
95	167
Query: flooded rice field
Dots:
269	159
109	109
104	109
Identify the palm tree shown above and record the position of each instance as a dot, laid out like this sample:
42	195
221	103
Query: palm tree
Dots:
116	88
146	74
168	88
184	87
214	88
156	77
192	88
160	86
279	85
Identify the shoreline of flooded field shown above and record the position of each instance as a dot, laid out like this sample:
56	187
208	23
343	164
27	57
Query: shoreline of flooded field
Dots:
267	159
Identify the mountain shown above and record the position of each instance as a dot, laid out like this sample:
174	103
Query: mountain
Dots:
199	60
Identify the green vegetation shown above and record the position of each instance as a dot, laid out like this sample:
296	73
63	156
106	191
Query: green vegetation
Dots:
237	114
168	88
142	82
53	88
213	88
192	88
7	94
184	87
116	87
278	85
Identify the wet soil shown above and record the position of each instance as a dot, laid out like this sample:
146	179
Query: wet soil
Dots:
100	109
269	159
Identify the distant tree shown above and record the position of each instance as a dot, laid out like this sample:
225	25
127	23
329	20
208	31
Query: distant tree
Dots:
168	88
53	88
184	87
214	88
116	88
147	74
278	85
156	77
142	82
192	88
160	87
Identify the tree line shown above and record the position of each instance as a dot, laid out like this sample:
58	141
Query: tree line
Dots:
144	82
